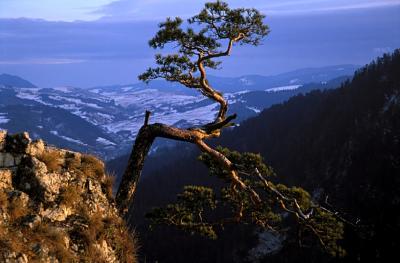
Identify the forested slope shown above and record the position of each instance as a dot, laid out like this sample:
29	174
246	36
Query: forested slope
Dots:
342	143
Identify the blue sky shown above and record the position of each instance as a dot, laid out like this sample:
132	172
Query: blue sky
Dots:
101	42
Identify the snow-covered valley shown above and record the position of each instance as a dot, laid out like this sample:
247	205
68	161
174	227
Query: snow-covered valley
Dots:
105	120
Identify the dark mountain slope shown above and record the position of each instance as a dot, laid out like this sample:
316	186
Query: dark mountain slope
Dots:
15	81
344	143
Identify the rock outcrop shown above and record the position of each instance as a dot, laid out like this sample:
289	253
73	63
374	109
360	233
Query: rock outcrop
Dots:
57	206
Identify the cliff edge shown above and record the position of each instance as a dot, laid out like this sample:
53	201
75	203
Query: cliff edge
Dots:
57	206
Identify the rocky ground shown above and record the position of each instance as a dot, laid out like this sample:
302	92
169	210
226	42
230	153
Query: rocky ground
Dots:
57	206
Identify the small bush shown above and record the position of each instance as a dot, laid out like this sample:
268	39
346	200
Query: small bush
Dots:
17	209
93	254
107	185
122	240
92	167
3	200
72	161
52	159
70	195
55	240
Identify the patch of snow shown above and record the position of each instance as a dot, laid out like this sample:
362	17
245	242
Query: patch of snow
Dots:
126	88
104	141
68	138
40	126
76	101
27	94
151	97
246	82
95	90
253	109
293	81
235	97
108	117
3	119
63	89
282	88
196	116
241	92
340	69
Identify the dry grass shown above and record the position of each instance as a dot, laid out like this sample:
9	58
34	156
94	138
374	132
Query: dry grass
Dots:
92	167
107	185
72	161
122	240
54	239
113	230
17	209
96	228
43	234
52	159
9	241
3	200
125	246
93	254
70	195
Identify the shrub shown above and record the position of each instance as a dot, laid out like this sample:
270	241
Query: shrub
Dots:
72	161
52	159
70	195
92	167
3	200
17	209
107	185
54	239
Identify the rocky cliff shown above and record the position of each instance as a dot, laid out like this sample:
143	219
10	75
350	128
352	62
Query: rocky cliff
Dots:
57	206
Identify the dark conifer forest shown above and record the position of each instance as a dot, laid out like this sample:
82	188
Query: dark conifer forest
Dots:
342	145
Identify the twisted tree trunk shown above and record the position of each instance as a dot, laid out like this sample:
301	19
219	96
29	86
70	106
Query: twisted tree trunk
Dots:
143	142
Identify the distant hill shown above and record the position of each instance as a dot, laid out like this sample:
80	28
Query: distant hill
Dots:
15	81
292	78
318	75
342	143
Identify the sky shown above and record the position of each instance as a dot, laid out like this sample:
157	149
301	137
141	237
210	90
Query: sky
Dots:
103	42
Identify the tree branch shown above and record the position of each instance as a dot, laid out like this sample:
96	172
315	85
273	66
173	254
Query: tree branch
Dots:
143	142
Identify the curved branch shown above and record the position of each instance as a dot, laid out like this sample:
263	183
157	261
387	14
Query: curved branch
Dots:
143	142
208	91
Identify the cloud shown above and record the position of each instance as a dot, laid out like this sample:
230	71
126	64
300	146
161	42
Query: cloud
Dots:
159	9
24	41
41	61
146	10
59	10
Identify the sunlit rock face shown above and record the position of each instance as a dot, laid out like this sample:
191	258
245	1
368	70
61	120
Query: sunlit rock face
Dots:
57	206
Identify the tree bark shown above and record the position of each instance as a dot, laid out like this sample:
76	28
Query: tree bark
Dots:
143	142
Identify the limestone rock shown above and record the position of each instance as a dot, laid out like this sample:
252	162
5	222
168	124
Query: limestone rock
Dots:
36	148
6	160
5	178
18	143
3	135
19	197
59	213
61	209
